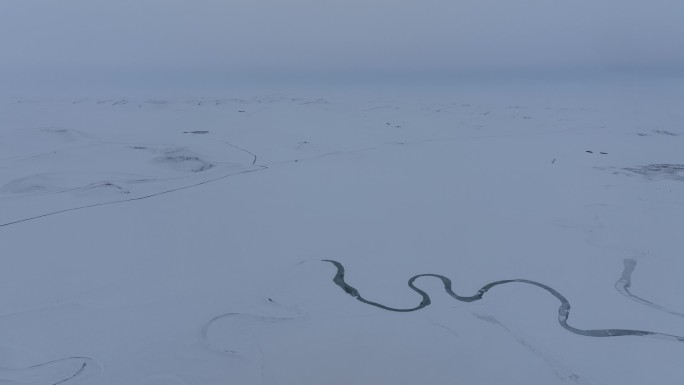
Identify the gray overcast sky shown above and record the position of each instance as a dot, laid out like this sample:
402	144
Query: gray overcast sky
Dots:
327	34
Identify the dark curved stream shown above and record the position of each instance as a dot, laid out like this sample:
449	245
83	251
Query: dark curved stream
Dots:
624	284
563	310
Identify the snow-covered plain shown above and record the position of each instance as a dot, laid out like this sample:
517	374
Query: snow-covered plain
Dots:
156	240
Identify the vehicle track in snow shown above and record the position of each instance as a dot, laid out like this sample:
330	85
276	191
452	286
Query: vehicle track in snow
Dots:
54	372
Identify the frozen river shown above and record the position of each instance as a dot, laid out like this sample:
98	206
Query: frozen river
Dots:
267	237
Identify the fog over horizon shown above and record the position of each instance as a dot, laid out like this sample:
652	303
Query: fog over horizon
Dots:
84	36
319	192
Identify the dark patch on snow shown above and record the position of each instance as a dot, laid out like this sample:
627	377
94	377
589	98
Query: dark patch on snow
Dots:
659	171
659	132
184	160
665	132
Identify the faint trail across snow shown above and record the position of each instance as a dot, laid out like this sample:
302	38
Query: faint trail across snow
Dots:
53	372
205	331
563	310
238	335
258	168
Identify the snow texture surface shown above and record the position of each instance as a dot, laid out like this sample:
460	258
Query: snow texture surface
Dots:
268	236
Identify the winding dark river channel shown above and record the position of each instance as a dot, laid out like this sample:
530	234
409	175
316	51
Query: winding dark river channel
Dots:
563	309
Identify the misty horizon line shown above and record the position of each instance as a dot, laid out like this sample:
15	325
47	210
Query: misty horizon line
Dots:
55	75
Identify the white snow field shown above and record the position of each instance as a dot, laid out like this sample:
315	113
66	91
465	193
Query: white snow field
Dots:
169	240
